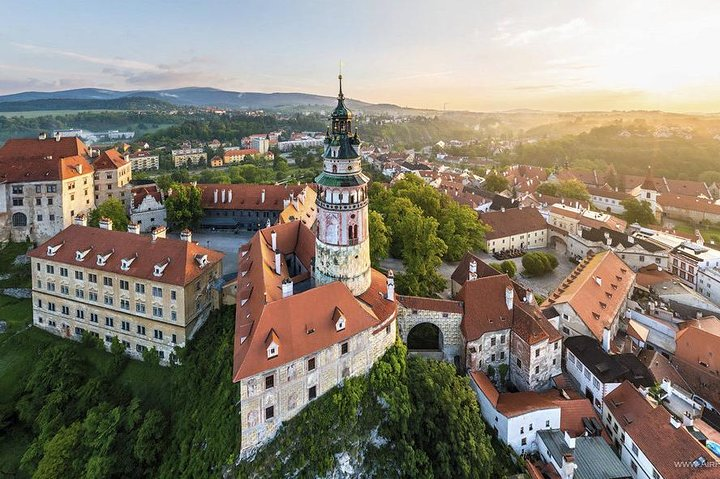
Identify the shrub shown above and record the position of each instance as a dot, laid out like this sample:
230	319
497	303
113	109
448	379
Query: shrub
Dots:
538	263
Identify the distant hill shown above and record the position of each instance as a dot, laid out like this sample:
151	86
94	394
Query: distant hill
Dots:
192	96
53	104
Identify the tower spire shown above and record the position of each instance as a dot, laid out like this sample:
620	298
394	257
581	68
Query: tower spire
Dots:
340	95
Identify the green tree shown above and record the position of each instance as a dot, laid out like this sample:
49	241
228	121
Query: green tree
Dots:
509	268
539	263
495	182
148	445
63	455
184	208
379	238
422	253
111	208
571	189
638	212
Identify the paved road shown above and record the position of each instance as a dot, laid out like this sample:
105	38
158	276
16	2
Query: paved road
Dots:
226	242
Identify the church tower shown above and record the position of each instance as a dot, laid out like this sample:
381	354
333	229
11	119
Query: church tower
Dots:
342	248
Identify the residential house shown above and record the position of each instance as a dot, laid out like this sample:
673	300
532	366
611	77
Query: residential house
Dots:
143	160
593	298
635	252
112	177
188	157
147	207
515	228
238	156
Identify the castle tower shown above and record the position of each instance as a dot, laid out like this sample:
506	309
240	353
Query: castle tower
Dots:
342	248
648	191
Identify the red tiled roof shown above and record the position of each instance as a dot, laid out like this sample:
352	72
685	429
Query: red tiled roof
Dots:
462	271
699	341
261	307
181	270
486	386
607	192
141	192
512	221
430	304
246	151
597	305
27	160
689	203
649	428
246	196
109	160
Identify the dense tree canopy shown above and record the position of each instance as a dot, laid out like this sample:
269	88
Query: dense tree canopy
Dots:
571	189
495	182
539	263
184	208
424	226
638	212
111	208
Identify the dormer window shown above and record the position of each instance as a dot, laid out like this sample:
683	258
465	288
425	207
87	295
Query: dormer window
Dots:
125	263
52	250
339	320
202	260
160	268
80	255
102	258
272	343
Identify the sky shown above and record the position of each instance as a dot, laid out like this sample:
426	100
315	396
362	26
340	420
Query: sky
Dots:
480	55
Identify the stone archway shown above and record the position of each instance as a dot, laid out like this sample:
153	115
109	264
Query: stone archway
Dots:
559	244
425	337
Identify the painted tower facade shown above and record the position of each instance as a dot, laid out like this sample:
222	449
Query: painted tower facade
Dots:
342	248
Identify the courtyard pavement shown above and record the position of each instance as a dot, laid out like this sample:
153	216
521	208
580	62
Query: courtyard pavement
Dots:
224	241
542	285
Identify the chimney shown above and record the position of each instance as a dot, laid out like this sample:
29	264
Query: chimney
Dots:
262	196
229	195
509	296
215	195
568	466
223	195
273	239
473	270
80	220
58	136
186	235
598	280
698	314
106	223
286	203
133	228
278	268
158	232
42	136
390	285
287	288
529	296
569	441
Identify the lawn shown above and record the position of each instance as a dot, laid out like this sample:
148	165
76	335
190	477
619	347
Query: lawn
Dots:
709	232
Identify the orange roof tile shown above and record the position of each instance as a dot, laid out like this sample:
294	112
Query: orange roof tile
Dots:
181	270
109	160
248	196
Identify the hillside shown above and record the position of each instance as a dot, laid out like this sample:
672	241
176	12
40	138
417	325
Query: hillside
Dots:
53	104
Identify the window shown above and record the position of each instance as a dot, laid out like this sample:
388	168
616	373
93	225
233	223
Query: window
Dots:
270	381
522	430
51	286
139	288
173	295
39	217
125	325
530	427
79	275
80	314
157	292
17	201
64	289
79	293
141	330
523	441
92	296
518	362
108	300
51	306
269	412
537	353
173	315
492	357
633	466
50	269
312	393
51	216
174	338
109	322
140	308
502	339
92	278
655	474
556	346
537	369
311	364
492	341
344	348
107	281
65	310
124	285
547	423
158	334
634	449
502	355
125	304
38	189
157	312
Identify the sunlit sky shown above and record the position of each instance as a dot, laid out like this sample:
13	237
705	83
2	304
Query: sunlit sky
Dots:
472	55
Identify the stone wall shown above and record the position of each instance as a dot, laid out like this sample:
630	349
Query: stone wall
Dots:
448	323
491	349
349	264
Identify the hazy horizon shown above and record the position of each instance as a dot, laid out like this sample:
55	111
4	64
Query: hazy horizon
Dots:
463	55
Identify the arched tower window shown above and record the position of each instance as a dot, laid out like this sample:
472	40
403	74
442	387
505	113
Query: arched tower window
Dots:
334	168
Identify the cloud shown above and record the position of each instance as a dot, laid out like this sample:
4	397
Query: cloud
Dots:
114	62
571	29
